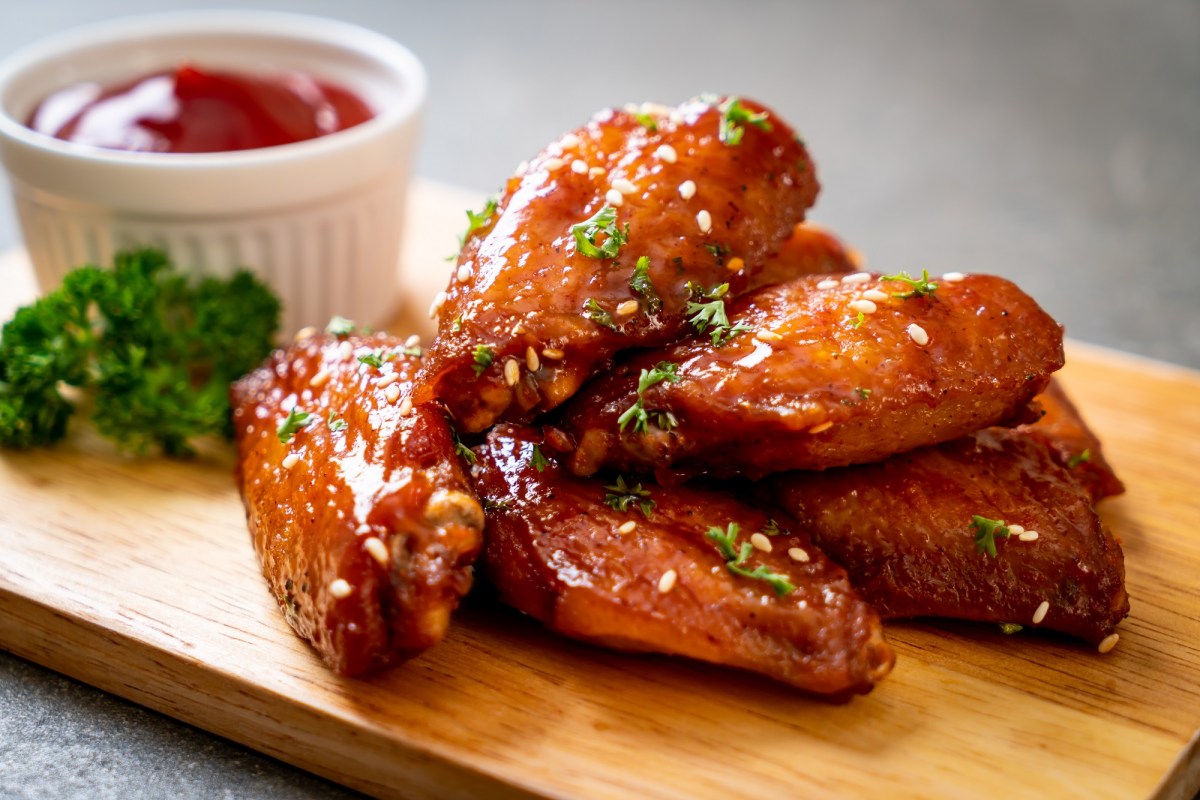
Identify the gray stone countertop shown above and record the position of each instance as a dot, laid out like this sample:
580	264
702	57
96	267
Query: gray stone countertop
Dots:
1056	143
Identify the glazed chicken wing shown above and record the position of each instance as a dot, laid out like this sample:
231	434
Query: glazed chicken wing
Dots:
821	372
360	510
1073	444
909	532
638	568
591	246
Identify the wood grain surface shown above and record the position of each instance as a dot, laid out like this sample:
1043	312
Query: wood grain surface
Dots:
137	576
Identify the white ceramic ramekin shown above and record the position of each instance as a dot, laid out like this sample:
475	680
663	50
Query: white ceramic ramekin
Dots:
319	219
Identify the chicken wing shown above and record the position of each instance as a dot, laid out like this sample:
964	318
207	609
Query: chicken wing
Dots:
644	569
1073	444
916	534
820	372
590	248
360	510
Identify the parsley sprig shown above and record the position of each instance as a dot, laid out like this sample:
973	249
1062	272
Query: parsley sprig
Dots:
641	283
621	496
736	556
1082	458
538	459
295	421
375	359
335	422
662	371
734	118
475	221
596	313
484	356
711	314
460	449
340	326
921	287
603	221
986	533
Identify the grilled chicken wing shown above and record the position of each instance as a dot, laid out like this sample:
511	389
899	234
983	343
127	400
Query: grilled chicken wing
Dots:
655	581
548	286
1073	444
826	373
363	520
903	528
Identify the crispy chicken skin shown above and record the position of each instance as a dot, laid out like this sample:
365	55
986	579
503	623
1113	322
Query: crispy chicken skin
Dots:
902	528
557	552
547	314
367	538
808	385
1073	444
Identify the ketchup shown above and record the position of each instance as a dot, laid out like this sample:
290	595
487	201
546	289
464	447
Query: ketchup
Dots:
192	110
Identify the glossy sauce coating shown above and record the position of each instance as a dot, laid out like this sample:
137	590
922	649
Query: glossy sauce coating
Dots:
1073	443
522	286
195	110
558	553
902	528
366	531
810	386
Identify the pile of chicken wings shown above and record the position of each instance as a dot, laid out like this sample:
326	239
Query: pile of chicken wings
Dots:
664	413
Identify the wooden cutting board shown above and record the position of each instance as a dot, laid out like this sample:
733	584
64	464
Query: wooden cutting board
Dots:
138	576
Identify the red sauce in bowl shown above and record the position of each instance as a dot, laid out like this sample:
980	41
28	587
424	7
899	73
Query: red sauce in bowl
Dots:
192	110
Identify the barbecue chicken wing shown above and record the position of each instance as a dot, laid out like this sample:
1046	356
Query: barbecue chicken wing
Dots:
1073	444
548	285
635	569
363	519
821	372
905	529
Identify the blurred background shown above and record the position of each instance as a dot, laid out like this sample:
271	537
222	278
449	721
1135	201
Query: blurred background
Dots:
1056	142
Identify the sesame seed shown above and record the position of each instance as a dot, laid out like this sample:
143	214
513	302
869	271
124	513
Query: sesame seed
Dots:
552	354
290	460
1108	643
464	273
596	172
761	542
553	164
1040	613
627	527
768	336
666	153
435	307
377	550
863	306
613	197
1016	530
953	277
579	167
704	220
570	140
340	589
387	380
320	379
876	295
512	372
305	332
687	190
392	393
627	308
827	284
667	582
531	359
918	334
822	427
413	341
406	407
799	554
1028	536
624	186
858	277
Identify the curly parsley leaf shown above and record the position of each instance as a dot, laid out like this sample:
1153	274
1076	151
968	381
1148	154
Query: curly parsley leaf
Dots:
295	421
641	283
375	359
475	221
735	557
596	313
711	314
538	459
662	371
1082	458
484	356
734	118
460	449
920	287
986	533
335	422
621	496
603	221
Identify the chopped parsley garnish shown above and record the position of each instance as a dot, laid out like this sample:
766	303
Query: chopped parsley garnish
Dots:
484	356
621	496
1009	628
734	118
1082	458
335	422
986	532
858	321
460	449
647	121
711	314
477	221
295	420
375	359
719	251
735	557
495	505
538	459
865	394
662	371
921	287
641	283
771	528
596	313
603	221
456	325
340	326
